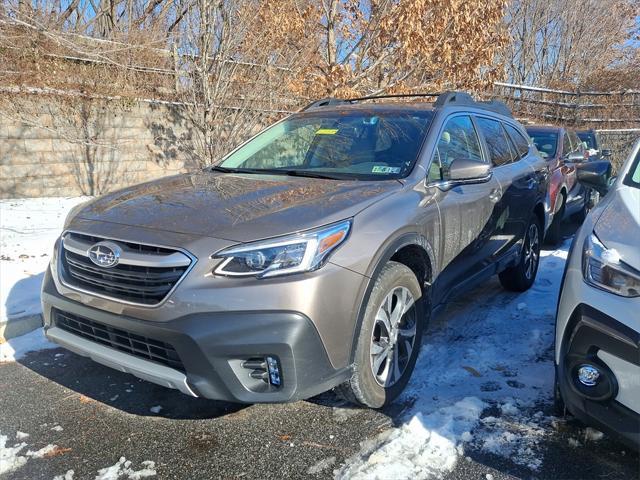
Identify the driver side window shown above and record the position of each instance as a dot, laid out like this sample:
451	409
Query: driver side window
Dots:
458	140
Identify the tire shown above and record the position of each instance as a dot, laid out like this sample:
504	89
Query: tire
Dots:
559	407
554	234
521	276
377	349
591	200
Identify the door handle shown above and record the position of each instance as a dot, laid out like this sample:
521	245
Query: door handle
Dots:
495	195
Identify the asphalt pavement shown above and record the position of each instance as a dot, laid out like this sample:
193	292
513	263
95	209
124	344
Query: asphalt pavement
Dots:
95	415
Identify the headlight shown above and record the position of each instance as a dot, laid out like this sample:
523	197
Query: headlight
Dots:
292	254
603	268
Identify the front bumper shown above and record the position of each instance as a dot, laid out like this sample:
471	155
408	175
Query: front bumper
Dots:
593	337
212	347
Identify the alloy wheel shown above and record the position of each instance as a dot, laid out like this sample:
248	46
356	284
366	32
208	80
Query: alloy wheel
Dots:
531	251
393	336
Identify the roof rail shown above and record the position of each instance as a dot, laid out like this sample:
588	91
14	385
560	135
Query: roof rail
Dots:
393	95
324	102
447	98
464	99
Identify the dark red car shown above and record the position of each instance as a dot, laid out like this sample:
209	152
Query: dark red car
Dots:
562	149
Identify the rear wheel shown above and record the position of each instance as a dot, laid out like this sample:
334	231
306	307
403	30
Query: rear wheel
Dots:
521	276
389	339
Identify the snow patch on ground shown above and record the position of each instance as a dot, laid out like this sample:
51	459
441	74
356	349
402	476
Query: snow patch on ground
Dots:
321	466
426	446
66	476
9	458
16	348
485	368
28	230
122	469
43	452
515	436
591	434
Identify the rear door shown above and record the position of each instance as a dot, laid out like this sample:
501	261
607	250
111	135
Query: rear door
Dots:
518	183
466	211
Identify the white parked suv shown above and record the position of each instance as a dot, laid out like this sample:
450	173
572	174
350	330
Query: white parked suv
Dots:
597	352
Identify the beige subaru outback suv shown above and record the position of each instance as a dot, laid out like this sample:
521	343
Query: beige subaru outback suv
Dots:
309	258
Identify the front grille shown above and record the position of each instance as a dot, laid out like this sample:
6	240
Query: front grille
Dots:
127	342
145	282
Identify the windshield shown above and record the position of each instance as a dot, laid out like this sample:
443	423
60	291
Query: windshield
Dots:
545	142
633	177
338	144
589	139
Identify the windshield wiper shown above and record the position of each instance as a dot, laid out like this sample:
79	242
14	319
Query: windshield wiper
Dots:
307	173
217	168
277	171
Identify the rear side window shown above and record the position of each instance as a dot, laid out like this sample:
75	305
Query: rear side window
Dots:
521	144
575	142
590	139
546	142
458	140
497	141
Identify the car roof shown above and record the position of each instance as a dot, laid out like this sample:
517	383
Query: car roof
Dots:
452	99
383	107
543	128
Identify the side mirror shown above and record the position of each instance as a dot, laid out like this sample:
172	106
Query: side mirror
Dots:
606	152
595	175
465	170
574	157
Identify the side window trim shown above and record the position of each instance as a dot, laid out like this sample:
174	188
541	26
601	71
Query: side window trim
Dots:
485	147
515	156
566	144
513	143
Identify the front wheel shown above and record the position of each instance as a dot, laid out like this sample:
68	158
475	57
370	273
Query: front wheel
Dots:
389	339
521	276
591	199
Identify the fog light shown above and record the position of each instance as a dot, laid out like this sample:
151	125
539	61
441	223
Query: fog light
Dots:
588	375
274	371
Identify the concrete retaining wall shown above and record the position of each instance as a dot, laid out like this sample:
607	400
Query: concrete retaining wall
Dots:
53	148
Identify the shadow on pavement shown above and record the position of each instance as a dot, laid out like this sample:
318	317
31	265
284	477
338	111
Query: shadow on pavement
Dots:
568	228
93	382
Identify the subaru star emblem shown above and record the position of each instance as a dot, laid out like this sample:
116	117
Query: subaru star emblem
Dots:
105	254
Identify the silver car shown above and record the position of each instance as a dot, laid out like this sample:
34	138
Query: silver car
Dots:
597	351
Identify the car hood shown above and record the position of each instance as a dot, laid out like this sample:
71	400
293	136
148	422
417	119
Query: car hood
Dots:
619	224
237	207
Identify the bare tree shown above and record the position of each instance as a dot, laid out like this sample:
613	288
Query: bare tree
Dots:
227	78
565	41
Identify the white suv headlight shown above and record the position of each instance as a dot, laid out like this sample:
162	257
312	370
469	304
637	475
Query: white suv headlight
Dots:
291	254
604	269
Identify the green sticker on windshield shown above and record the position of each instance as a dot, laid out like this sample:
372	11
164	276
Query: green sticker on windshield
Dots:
381	169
